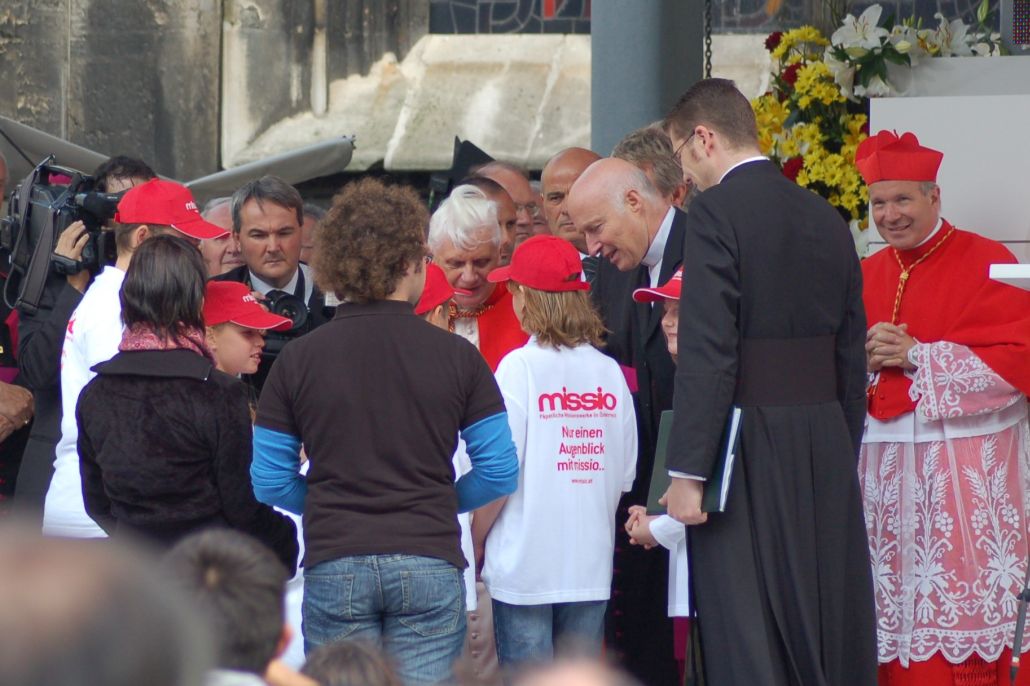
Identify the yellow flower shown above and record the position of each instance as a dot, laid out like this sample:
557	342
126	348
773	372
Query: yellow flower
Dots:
815	84
802	37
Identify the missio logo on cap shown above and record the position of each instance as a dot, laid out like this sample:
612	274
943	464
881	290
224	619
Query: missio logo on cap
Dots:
572	402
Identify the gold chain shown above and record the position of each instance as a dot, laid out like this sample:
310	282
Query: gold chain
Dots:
903	279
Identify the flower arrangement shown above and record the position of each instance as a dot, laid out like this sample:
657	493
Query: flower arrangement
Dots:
815	113
865	50
809	127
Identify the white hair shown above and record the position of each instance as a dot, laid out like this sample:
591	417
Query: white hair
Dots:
465	214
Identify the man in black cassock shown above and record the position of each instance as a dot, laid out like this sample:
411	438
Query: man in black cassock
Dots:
771	320
640	243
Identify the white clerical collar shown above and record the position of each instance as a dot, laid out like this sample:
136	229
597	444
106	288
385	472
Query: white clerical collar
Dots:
653	256
749	160
656	251
940	223
263	287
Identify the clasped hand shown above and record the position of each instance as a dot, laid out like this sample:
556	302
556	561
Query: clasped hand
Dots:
887	345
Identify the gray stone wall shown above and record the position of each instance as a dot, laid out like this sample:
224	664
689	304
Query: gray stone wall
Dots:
138	78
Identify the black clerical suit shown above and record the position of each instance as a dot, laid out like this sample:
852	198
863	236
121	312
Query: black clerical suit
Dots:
318	314
639	628
771	319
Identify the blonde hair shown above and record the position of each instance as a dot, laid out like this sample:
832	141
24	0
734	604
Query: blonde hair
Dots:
566	318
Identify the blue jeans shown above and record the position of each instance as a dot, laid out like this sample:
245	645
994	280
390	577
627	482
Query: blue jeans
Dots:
413	607
528	634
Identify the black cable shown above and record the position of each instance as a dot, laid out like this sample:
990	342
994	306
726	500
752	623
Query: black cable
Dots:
708	39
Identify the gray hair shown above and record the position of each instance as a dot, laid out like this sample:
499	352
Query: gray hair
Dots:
464	214
213	204
72	613
266	189
650	148
314	211
634	179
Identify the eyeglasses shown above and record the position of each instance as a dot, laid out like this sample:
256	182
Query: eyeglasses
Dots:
531	207
676	153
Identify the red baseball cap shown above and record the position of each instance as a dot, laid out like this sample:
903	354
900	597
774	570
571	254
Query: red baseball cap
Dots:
231	301
437	290
886	157
546	263
166	203
670	291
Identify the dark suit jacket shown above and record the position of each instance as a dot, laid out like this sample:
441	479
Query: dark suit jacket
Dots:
636	340
316	303
318	315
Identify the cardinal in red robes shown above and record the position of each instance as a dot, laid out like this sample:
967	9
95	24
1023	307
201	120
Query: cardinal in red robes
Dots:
945	460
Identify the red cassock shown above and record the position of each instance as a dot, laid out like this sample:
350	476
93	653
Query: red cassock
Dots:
949	297
499	330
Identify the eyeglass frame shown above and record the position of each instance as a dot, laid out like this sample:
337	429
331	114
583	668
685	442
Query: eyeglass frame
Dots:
535	212
676	152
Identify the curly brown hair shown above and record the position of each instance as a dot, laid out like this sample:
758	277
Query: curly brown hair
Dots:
368	240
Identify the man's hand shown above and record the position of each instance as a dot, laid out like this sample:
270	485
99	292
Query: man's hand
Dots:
16	409
683	501
70	244
887	345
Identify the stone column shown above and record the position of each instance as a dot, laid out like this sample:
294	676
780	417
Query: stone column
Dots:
643	56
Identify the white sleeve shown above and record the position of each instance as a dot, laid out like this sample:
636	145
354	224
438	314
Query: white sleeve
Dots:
512	379
668	532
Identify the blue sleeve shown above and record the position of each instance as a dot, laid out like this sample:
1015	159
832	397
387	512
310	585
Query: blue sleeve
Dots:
495	466
275	470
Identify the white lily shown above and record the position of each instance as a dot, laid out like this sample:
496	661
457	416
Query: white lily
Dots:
877	88
843	74
951	37
863	32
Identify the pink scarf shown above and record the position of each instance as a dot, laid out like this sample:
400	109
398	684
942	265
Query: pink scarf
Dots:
143	337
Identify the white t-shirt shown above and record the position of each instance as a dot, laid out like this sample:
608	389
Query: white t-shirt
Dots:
462	466
574	427
93	334
672	535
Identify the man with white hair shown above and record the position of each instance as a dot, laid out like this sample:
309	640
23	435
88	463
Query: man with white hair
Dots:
465	240
220	255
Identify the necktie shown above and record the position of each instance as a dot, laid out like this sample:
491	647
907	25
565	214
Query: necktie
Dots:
590	267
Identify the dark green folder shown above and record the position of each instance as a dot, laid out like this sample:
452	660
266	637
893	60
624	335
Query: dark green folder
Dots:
717	487
718	483
660	478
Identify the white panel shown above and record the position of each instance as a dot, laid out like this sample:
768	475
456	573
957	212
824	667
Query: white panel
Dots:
985	175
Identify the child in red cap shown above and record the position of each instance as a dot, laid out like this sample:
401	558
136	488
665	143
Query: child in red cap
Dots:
236	325
548	555
651	530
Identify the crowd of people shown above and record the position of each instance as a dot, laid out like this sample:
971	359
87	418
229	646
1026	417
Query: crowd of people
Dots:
378	445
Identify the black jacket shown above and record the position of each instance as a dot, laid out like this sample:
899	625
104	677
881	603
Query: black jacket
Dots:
318	314
165	448
635	339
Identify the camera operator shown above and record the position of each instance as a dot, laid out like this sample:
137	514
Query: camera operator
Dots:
267	215
94	332
42	334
